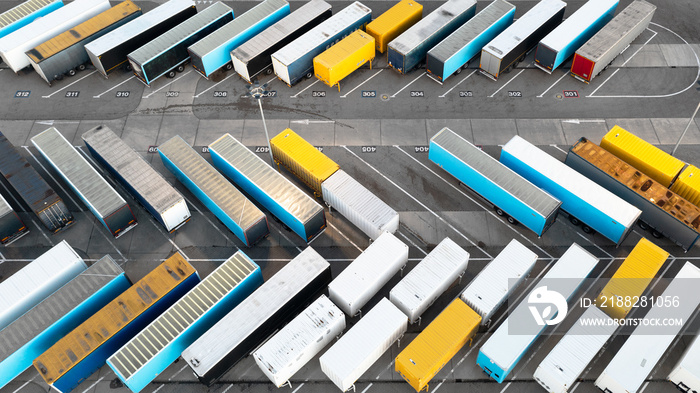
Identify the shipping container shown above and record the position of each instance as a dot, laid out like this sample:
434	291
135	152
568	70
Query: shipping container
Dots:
565	39
631	278
510	194
564	364
647	158
146	185
11	226
254	56
429	279
409	50
584	200
435	346
33	189
363	344
663	211
496	282
686	374
359	205
393	22
300	341
109	51
157	346
102	200
85	349
277	301
510	47
228	204
37	280
26	13
596	54
301	158
65	54
368	273
296	60
687	185
168	53
213	52
626	373
455	52
13	47
35	331
297	210
344	58
511	341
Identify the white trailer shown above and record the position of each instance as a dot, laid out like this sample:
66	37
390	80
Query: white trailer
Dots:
359	205
564	364
429	279
497	281
363	344
686	374
13	47
298	342
633	363
363	278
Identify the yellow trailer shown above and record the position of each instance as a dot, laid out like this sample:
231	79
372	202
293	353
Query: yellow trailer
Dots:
437	344
395	21
687	185
630	280
343	58
302	159
642	155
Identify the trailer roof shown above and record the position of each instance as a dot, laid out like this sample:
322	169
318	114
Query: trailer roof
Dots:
577	23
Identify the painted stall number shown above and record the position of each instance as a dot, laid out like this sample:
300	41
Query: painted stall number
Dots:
22	93
571	93
515	94
370	93
172	93
72	94
123	94
369	149
262	149
420	149
466	93
272	93
152	149
417	94
205	149
220	94
318	94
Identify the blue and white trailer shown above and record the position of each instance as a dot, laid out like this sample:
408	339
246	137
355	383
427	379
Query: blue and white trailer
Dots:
565	39
584	200
408	50
296	60
26	13
39	328
228	204
296	209
213	52
168	53
157	346
459	48
511	341
511	195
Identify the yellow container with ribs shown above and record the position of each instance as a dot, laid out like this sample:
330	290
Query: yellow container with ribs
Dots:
343	58
395	21
687	185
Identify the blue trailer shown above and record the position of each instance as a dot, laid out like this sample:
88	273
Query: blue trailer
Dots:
296	209
510	194
454	52
570	35
25	13
157	346
584	200
409	49
39	328
214	51
510	342
296	60
228	204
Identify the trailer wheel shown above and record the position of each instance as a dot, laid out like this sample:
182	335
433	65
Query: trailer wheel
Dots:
180	68
268	71
512	221
643	225
459	71
229	66
58	77
127	67
170	74
81	67
465	66
499	211
587	229
71	72
574	221
656	234
309	75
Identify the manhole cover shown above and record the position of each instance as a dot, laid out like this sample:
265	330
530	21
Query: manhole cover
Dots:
385	97
559	96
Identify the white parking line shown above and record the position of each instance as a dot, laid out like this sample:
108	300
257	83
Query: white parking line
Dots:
559	148
575	386
506	84
604	82
107	91
409	84
177	372
641	47
65	87
93	385
593	244
25	384
298	387
38	227
412	243
152	221
306	88
420	203
161	387
66	193
550	87
506	387
644	387
168	84
229	388
385	369
271	80
217	84
368	386
458	83
343	235
210	222
366	80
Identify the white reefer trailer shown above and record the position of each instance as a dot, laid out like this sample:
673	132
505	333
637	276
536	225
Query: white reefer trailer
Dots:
686	374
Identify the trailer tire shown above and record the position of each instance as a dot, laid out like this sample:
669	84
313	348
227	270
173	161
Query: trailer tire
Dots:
512	221
574	221
656	234
58	77
127	67
229	66
465	66
459	71
71	72
268	71
643	224
82	67
499	211
170	74
180	68
309	75
586	229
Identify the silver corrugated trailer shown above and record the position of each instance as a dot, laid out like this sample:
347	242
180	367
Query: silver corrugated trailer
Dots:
302	339
102	200
143	182
359	205
429	279
686	374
